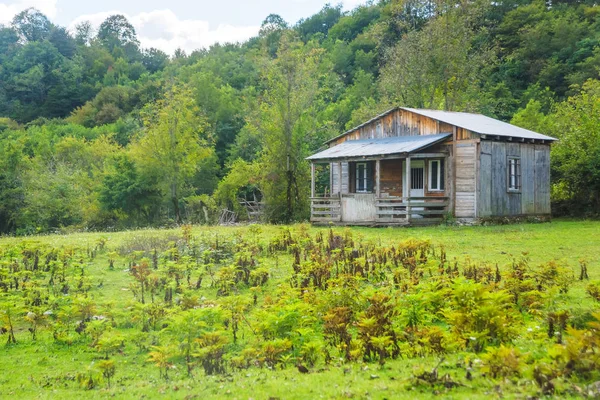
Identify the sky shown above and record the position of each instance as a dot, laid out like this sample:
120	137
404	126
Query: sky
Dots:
173	24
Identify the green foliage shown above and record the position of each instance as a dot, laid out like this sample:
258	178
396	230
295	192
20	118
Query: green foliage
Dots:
593	289
271	101
312	302
172	149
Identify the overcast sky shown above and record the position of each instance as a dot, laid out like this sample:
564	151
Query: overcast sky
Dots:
169	24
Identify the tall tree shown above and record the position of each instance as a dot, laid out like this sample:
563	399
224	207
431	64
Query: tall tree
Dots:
287	122
436	67
117	32
173	146
31	25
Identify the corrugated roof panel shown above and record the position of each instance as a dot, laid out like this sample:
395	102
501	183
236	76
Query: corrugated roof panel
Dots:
379	147
480	124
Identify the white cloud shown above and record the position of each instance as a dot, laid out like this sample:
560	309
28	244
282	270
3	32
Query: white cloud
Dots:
8	10
164	30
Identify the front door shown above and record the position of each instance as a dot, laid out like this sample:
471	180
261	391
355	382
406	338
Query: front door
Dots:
417	184
417	178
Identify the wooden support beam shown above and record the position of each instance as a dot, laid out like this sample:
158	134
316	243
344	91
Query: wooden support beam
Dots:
312	179
407	194
429	155
377	177
339	167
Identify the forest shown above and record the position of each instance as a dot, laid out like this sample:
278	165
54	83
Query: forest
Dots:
98	133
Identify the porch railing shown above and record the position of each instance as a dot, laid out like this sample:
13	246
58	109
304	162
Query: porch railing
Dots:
326	209
411	210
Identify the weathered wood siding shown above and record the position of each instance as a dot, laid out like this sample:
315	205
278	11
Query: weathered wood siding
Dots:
397	123
465	179
494	199
542	179
391	177
359	207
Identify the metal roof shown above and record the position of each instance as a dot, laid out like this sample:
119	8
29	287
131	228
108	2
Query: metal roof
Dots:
474	122
480	124
364	148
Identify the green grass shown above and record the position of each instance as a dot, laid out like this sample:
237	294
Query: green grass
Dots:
43	369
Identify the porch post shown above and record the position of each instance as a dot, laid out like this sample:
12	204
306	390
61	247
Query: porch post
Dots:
339	164
407	194
312	179
377	178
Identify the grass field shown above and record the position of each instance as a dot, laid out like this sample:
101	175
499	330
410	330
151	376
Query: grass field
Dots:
278	325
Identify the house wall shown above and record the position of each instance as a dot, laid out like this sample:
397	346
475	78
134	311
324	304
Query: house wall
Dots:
494	198
391	177
465	179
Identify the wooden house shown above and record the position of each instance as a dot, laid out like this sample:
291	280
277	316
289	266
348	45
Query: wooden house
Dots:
415	166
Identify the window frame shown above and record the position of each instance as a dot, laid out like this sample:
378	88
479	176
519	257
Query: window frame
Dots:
517	174
439	187
365	178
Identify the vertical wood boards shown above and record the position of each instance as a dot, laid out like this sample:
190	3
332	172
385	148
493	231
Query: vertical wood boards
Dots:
542	179
484	203
528	172
465	189
399	123
359	207
378	178
499	185
312	180
494	197
391	177
407	194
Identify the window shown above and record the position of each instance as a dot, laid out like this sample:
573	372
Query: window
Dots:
514	174
361	177
437	175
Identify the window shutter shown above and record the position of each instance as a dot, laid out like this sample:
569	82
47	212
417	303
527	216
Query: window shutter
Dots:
370	180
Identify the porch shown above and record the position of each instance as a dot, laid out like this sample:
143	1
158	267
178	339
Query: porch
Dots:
398	184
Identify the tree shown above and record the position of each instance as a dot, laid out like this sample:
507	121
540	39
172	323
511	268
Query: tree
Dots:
437	67
84	32
273	23
288	123
13	165
126	192
154	59
31	25
173	146
62	40
117	32
271	30
9	40
576	156
320	22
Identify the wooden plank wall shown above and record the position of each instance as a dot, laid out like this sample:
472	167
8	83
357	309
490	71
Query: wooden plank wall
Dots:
493	196
485	179
465	181
404	123
542	179
391	177
397	123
